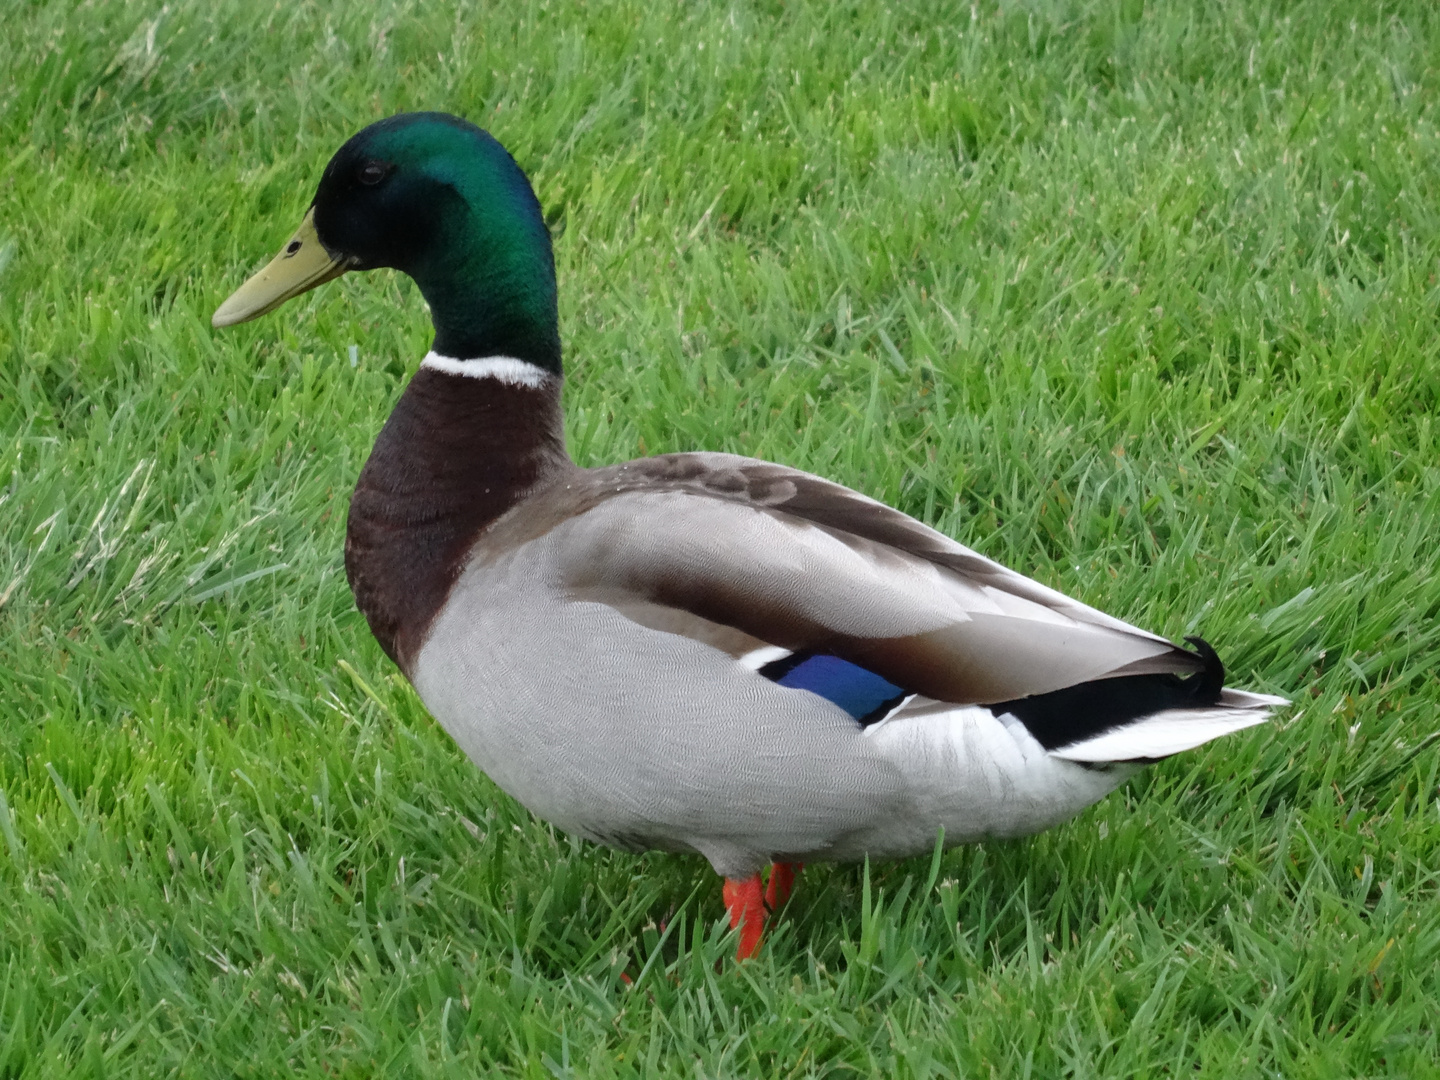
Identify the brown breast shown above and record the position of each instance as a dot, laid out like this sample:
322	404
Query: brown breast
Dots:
456	454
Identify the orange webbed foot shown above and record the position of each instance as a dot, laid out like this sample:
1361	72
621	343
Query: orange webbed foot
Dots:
750	903
745	902
782	881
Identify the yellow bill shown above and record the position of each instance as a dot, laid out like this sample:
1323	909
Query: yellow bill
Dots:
302	264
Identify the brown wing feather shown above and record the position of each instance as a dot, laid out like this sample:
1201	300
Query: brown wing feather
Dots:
789	559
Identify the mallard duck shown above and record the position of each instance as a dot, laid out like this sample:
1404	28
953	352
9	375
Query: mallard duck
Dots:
695	652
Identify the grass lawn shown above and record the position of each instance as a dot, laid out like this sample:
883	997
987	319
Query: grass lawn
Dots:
1139	298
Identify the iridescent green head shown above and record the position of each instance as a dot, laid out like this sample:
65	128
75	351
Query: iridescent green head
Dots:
439	199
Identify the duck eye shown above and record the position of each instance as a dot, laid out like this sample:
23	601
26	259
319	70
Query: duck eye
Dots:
371	173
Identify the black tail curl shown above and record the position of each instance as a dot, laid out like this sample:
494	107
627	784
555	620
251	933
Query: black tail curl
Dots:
1076	713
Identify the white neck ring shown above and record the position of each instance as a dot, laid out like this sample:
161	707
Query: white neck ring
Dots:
506	369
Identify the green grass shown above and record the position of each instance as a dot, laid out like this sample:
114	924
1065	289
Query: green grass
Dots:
1138	298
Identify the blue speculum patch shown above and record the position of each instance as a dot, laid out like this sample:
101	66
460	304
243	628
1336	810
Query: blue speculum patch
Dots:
858	691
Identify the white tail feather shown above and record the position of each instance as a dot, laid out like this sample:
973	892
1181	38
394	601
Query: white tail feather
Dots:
1248	699
1164	733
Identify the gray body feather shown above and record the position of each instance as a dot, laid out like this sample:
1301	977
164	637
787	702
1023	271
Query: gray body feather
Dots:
589	659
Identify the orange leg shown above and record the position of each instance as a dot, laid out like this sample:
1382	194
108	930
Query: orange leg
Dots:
746	904
749	904
782	880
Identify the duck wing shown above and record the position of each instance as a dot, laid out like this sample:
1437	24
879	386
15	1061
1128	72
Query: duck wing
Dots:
746	555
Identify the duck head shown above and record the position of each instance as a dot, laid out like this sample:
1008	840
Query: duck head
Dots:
439	199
